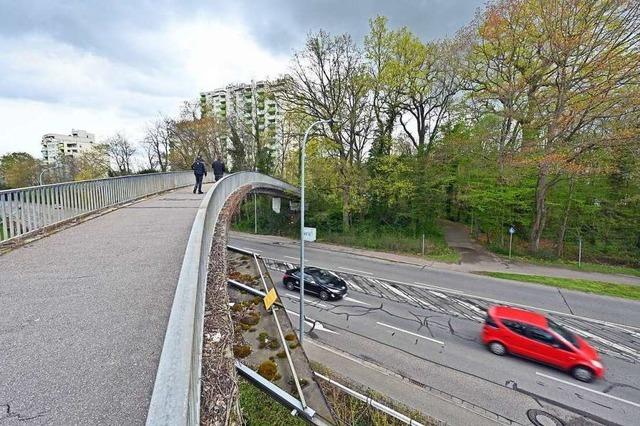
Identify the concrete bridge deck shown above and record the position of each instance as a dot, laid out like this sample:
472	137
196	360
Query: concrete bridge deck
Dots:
83	314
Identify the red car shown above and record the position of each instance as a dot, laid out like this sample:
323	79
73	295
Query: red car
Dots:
534	336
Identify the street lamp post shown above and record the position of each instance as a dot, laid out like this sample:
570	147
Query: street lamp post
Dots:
302	158
46	169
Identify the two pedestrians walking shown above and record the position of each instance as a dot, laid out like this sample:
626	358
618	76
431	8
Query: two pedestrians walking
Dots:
200	171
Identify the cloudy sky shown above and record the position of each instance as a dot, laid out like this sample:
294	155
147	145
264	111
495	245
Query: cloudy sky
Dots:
107	66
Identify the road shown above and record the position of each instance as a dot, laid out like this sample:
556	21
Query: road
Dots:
424	323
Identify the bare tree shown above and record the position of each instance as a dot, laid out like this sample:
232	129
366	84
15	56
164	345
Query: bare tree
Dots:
430	79
191	135
156	143
329	81
121	151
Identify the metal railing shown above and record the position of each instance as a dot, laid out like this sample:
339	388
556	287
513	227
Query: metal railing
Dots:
27	210
176	393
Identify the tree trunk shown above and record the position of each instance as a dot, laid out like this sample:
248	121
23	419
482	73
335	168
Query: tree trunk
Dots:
345	209
541	210
563	227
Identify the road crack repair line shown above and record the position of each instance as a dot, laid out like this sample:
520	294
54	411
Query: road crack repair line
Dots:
7	413
614	340
565	301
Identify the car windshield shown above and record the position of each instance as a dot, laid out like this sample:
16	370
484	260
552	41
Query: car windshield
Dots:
569	336
326	277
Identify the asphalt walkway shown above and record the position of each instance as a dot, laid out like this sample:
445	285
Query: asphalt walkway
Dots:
83	314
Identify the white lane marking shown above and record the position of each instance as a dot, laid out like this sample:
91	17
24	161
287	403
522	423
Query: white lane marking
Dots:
355	270
411	333
311	302
473	308
415	300
448	290
356	301
294	258
318	325
354	285
604	341
635	404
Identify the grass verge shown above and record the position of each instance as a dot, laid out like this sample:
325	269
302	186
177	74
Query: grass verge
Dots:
550	260
257	412
587	286
587	267
435	246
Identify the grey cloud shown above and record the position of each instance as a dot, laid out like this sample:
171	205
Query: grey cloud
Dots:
282	24
110	30
103	27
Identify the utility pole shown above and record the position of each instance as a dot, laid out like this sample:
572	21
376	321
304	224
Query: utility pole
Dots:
579	251
255	213
512	231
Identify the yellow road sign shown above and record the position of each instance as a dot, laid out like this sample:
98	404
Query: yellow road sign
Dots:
270	299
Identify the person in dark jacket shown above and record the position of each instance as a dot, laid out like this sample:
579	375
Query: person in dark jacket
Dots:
200	171
218	169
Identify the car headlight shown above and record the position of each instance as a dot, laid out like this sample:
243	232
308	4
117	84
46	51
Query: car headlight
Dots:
596	364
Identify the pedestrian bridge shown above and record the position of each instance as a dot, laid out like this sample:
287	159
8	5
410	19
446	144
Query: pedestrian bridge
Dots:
85	310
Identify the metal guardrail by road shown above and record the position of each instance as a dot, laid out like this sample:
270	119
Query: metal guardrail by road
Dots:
27	210
176	393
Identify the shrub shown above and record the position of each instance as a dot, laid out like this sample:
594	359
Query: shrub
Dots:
241	351
274	344
281	354
250	318
268	370
290	336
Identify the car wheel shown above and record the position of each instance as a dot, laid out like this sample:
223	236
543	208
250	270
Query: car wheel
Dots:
289	285
324	295
583	374
497	348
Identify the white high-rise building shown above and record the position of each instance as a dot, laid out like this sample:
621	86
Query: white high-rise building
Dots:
55	145
252	108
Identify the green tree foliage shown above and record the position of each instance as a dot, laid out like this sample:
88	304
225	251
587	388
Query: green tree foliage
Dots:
528	117
19	169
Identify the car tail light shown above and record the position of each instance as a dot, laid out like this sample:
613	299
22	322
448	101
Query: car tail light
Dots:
490	322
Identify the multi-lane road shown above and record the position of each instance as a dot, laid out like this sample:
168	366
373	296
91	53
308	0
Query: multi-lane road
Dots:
423	324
